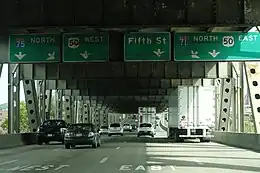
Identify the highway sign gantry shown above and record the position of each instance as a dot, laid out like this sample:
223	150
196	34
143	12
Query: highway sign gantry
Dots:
34	48
85	47
229	46
141	46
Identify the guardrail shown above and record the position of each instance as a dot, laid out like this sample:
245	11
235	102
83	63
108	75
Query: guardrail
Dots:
240	140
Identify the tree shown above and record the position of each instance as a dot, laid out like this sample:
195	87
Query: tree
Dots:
24	125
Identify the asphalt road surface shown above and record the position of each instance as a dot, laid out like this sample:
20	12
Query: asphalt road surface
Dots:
129	154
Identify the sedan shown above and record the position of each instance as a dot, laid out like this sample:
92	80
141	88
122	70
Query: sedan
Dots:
82	134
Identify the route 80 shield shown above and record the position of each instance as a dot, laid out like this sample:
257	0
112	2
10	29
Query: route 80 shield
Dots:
73	42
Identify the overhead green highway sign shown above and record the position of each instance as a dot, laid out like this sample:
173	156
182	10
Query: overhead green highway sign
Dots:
140	46
34	48
229	46
85	47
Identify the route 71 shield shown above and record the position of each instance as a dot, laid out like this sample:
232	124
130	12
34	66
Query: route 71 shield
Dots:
73	42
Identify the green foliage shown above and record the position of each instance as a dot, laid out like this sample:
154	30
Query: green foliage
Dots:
249	126
24	126
4	106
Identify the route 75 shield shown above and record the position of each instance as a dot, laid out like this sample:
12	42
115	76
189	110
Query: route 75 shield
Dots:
73	42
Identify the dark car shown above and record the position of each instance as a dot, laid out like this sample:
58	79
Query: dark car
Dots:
51	130
82	134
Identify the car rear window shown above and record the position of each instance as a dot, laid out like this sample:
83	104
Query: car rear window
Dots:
115	125
145	125
54	123
104	127
87	127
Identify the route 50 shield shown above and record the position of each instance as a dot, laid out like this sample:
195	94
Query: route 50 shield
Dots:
73	42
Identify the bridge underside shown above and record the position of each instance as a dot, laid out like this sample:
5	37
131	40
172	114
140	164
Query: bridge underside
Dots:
118	13
117	85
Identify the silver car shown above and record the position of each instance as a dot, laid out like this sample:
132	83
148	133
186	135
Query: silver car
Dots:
115	129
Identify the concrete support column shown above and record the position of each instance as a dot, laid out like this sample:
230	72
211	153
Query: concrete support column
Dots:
48	99
31	104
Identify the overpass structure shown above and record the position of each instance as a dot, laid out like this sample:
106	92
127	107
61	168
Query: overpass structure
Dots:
116	56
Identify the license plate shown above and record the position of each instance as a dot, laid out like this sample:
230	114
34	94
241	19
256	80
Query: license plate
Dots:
49	134
79	134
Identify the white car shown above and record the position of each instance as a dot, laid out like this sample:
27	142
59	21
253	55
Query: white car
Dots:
103	130
127	127
146	129
115	129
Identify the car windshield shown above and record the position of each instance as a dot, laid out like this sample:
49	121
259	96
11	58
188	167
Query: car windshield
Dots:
104	127
126	124
85	127
145	125
54	123
115	125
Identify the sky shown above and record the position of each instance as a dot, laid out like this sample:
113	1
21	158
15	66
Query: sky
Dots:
4	86
4	82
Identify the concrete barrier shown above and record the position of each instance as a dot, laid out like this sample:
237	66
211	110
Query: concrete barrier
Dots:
240	140
15	140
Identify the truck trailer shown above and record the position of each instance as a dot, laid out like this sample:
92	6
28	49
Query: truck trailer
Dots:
191	113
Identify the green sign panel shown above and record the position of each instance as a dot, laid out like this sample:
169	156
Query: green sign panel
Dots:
229	46
85	47
34	48
147	46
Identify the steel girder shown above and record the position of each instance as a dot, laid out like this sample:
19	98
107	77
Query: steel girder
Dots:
253	80
118	13
102	84
120	70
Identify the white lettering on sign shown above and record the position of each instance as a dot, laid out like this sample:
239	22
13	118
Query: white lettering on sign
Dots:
140	168
42	40
205	38
249	38
125	168
146	40
94	39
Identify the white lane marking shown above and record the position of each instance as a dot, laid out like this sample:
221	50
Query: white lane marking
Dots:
199	162
61	166
57	149
104	160
173	167
117	148
8	162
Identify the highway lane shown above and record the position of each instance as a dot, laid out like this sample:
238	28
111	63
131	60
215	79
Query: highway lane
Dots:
130	154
